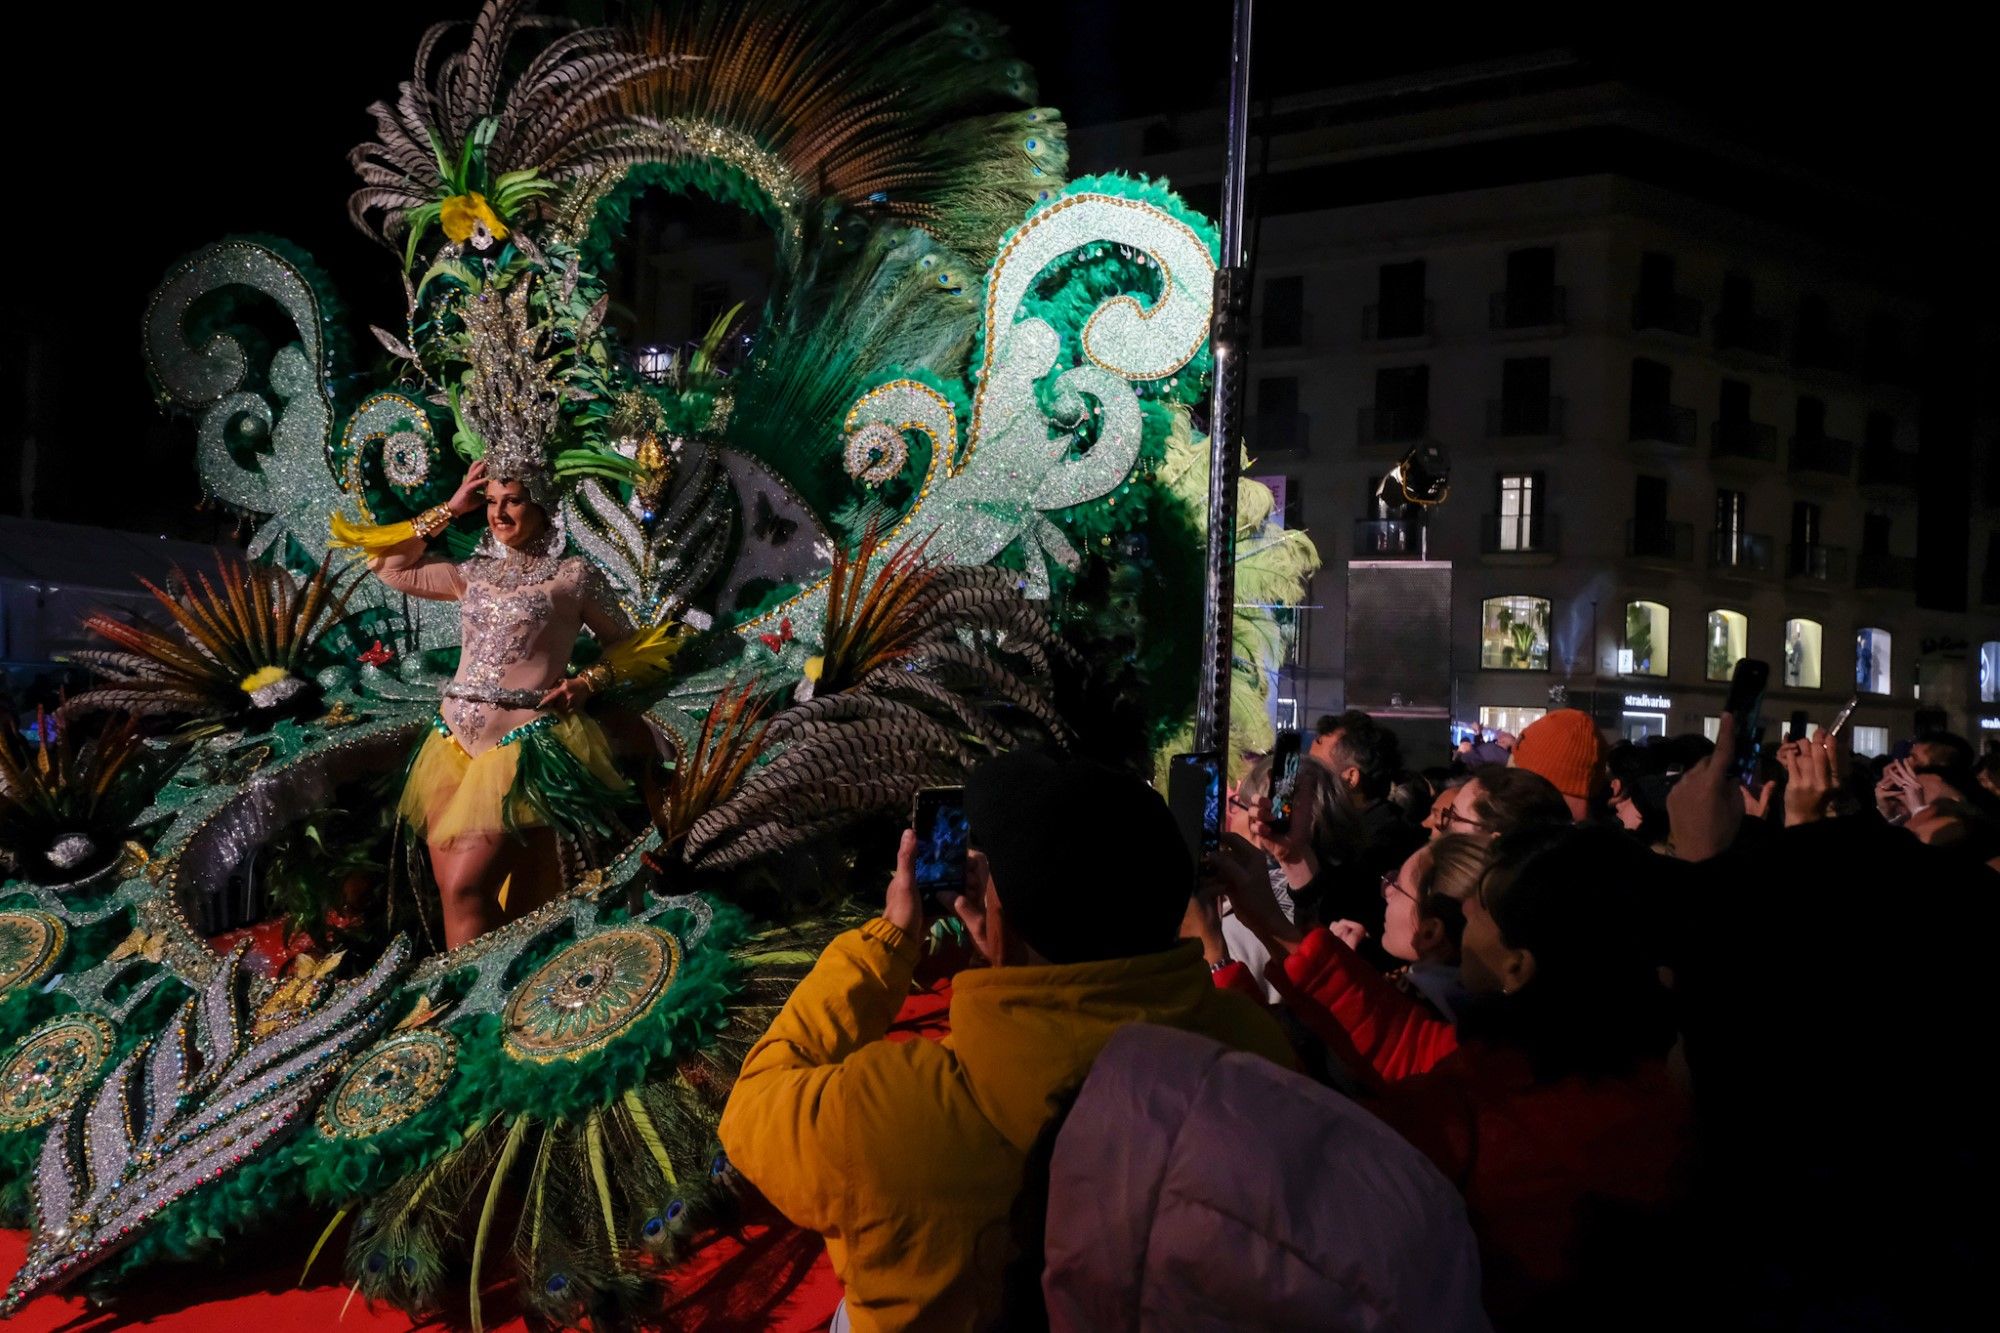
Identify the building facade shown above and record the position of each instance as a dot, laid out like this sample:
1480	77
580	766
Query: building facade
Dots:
1681	430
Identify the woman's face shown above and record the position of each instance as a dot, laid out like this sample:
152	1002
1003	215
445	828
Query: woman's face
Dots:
1434	821
1463	817
514	519
1399	896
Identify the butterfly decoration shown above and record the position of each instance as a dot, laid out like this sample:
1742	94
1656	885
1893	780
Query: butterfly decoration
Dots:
776	642
771	526
376	656
295	994
229	769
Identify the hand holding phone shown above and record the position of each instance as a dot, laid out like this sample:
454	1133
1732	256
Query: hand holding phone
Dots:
1745	706
1285	761
938	817
1194	794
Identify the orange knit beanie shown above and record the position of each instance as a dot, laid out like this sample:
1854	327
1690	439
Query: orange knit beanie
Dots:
1565	748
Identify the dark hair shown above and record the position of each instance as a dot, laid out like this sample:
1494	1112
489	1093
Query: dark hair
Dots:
1372	750
1577	899
1071	899
1957	765
1328	724
1333	827
1513	798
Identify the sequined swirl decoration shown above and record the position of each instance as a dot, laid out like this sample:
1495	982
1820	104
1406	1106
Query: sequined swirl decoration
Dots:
30	943
183	1110
389	1084
265	440
50	1067
1015	465
590	993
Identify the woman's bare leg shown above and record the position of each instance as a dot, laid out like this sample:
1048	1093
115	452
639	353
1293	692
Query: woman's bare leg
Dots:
469	871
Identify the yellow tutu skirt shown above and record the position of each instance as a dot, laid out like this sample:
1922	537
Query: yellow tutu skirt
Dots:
449	794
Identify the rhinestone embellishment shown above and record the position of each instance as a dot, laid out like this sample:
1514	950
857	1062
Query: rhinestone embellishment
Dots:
390	1084
588	994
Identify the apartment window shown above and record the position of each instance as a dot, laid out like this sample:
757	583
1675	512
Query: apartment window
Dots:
1869	741
1531	299
1652	383
1802	649
1278	420
1989	672
1284	318
1731	508
1645	650
1656	274
1520	512
1810	423
1402	403
1735	403
1874	535
1514	721
1399	311
1871	661
1514	633
1881	430
1728	639
1806	524
1524	396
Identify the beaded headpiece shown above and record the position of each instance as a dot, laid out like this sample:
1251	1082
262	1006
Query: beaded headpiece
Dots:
512	401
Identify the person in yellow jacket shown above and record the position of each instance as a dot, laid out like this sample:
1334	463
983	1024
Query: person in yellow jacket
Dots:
907	1156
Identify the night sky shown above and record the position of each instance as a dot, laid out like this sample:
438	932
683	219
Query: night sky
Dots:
181	124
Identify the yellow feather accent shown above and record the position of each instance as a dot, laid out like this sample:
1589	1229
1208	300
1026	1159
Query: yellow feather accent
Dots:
593	1140
320	1244
508	1152
650	1136
370	538
642	658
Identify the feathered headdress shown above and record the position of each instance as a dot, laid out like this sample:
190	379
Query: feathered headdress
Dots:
455	149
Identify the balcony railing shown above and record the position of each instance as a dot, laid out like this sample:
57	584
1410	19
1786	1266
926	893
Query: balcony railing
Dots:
1813	563
1395	320
1531	308
1746	331
1512	418
1387	538
1820	453
1895	573
1660	540
1394	425
1883	466
1752	440
1279	433
1739	553
1664	423
1669	312
1511	534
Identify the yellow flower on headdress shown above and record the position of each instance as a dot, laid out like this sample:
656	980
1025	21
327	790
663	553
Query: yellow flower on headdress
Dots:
468	217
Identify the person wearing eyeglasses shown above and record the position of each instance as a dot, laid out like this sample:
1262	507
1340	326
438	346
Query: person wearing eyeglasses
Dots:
1500	800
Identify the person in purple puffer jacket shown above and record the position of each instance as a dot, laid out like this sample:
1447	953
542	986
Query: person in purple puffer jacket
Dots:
1194	1188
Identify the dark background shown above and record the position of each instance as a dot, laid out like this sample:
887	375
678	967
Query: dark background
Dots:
157	129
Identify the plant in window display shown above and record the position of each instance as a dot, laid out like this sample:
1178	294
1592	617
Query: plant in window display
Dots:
1639	637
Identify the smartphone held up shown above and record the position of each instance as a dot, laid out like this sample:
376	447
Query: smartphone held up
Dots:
943	838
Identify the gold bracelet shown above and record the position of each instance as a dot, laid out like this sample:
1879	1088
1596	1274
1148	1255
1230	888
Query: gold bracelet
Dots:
432	521
598	677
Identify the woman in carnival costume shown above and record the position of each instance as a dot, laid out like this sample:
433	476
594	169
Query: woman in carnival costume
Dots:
510	756
510	761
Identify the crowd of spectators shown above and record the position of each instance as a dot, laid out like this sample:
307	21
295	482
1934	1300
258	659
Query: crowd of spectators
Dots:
1560	1034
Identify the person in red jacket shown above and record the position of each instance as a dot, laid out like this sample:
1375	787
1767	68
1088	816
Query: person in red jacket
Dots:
1548	1102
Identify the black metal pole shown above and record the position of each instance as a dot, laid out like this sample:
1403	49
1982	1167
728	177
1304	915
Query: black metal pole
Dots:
1225	408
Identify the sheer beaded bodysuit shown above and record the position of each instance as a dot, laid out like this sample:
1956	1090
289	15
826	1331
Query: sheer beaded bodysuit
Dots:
519	618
